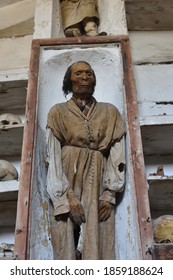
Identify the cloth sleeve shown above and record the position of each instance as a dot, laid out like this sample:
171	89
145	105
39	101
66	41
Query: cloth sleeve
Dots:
114	175
57	183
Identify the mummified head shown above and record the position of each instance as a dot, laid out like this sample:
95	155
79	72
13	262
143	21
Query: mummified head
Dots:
163	229
79	79
9	119
7	171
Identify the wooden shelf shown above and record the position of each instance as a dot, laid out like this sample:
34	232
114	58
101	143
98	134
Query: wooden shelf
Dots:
13	101
156	120
149	15
8	213
13	97
163	251
161	192
9	190
8	256
11	140
157	139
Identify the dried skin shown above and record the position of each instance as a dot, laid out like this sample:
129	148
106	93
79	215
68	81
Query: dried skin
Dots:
163	229
77	214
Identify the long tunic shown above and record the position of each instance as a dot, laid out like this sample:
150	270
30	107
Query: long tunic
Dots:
73	12
85	152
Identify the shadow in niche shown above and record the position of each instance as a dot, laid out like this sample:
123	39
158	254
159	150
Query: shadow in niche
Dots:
119	197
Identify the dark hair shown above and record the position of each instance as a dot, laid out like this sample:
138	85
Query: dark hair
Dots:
67	84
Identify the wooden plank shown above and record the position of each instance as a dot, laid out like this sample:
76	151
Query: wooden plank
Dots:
23	207
149	14
11	140
22	21
86	40
9	190
156	120
163	251
7	2
147	48
13	75
154	86
157	139
6	257
8	213
161	192
145	225
13	97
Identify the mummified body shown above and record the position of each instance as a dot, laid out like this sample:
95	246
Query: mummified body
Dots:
79	17
86	169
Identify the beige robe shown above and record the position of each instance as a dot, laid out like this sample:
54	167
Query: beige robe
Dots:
84	152
74	12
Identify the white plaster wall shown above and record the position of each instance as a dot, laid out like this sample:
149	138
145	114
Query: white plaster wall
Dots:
152	55
47	20
15	54
154	85
112	17
16	13
152	46
8	2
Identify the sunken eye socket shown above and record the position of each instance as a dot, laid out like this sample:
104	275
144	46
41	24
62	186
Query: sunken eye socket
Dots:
78	73
89	74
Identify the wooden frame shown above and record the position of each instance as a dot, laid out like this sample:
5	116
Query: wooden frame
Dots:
29	142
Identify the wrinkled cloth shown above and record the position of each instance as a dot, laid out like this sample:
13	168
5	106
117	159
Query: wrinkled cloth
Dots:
84	152
73	12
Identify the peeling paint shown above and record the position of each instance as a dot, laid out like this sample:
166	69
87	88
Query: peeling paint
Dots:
129	209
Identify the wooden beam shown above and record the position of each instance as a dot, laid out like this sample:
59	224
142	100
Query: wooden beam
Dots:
22	222
144	217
